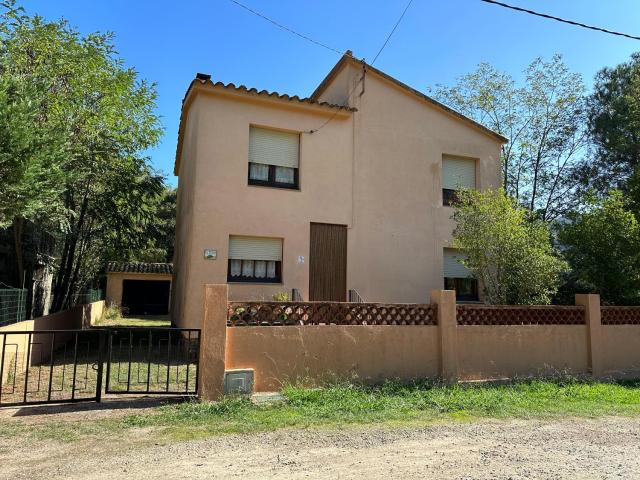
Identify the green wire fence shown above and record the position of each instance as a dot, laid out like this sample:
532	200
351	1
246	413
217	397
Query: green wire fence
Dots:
13	305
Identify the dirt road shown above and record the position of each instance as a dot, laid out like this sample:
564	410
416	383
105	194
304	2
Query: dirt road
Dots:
571	448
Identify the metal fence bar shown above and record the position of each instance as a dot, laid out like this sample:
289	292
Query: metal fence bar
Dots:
27	365
149	360
168	359
75	365
4	347
51	360
178	360
101	347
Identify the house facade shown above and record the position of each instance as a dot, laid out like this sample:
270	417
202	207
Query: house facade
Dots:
345	190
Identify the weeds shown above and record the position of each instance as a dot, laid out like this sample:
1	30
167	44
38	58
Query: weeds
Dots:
389	404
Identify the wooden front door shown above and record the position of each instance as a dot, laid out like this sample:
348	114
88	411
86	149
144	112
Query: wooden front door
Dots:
328	263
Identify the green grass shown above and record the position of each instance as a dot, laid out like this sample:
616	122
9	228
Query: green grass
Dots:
142	321
346	404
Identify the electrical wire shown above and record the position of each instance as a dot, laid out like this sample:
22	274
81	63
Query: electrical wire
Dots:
392	32
364	65
287	29
558	19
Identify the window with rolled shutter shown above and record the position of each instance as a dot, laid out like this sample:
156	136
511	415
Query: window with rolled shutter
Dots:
457	173
274	158
254	259
452	266
458	277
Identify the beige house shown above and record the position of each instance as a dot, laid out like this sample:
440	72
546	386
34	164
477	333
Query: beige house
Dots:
344	190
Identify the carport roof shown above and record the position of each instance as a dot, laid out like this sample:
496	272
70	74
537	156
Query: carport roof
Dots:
138	267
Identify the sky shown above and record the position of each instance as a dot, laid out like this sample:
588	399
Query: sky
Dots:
168	42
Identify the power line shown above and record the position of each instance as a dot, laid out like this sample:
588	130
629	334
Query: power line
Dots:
364	67
287	29
392	32
558	19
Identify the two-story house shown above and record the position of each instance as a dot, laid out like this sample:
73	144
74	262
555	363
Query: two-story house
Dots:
346	189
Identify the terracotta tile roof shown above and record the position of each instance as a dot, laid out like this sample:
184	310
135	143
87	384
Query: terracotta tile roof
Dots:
205	80
137	267
282	96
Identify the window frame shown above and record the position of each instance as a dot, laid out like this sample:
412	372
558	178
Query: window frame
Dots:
449	194
473	297
244	279
271	182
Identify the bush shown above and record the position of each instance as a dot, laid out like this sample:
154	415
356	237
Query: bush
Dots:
281	297
508	250
112	312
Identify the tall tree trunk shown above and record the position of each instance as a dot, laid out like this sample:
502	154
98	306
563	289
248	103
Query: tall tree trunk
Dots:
18	224
66	265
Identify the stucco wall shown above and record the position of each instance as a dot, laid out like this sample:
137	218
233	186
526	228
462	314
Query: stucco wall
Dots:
621	347
78	317
115	279
377	171
556	344
367	353
184	218
507	351
400	225
224	204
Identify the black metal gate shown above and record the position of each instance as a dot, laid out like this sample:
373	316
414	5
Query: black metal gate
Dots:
50	366
60	366
153	361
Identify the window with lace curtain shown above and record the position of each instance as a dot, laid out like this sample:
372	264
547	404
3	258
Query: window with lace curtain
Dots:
254	259
273	158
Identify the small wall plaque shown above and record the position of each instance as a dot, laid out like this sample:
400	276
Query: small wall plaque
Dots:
210	254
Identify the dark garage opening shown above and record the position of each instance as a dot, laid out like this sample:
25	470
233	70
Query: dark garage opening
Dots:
146	297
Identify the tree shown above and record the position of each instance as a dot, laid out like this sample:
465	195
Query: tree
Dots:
507	250
157	234
602	246
108	191
614	122
161	230
544	121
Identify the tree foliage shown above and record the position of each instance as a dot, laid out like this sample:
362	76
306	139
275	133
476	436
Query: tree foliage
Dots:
544	120
509	252
614	121
602	246
95	118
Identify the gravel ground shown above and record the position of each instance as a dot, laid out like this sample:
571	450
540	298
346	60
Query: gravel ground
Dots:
514	449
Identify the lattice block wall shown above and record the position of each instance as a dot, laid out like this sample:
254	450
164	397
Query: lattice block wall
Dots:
620	315
326	313
519	315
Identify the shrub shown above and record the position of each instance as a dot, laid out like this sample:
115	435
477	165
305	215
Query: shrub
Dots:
281	297
508	250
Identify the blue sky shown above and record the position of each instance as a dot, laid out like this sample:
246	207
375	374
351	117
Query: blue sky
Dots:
438	40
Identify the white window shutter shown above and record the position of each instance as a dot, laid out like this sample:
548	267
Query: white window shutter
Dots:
458	172
255	248
273	147
452	266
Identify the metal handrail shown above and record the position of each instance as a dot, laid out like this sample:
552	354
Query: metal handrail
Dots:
354	296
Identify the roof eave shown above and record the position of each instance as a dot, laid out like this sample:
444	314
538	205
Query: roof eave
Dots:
204	85
356	62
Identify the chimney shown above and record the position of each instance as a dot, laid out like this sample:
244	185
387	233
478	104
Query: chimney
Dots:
203	76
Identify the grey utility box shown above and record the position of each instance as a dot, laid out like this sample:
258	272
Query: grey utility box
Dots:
239	382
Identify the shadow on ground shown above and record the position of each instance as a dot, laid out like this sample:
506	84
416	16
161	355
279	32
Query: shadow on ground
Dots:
113	403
